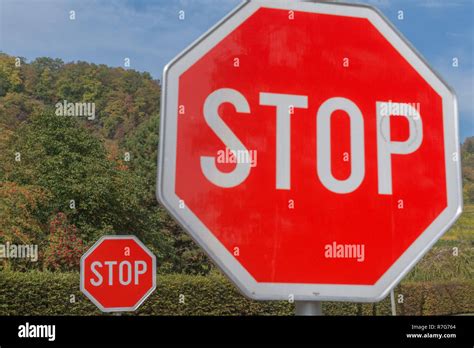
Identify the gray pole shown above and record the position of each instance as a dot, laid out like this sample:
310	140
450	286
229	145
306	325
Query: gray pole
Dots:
308	308
392	302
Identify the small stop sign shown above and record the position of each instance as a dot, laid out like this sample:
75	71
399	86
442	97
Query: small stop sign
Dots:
118	273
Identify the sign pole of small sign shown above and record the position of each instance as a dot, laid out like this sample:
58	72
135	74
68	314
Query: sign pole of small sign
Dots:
310	150
118	273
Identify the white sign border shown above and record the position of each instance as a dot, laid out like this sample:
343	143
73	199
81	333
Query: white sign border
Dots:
214	248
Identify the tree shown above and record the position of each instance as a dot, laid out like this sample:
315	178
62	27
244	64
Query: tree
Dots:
10	76
20	220
46	72
16	107
100	195
62	156
142	145
80	164
65	247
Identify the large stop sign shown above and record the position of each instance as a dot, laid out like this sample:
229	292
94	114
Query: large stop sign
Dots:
309	150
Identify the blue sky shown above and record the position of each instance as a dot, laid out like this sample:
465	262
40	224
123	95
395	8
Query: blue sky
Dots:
150	33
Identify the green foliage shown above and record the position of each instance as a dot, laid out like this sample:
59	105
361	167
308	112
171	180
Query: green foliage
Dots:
142	145
463	229
67	161
10	77
43	72
20	220
189	258
124	98
17	107
443	263
467	151
46	293
75	159
63	157
42	63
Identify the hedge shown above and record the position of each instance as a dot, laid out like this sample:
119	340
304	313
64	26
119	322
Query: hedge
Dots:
47	293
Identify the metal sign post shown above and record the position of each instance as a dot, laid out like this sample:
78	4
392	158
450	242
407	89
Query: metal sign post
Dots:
307	308
392	302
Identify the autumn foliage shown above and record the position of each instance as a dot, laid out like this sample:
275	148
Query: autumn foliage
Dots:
65	247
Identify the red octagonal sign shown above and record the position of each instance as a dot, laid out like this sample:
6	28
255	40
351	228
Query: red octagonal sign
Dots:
118	273
310	150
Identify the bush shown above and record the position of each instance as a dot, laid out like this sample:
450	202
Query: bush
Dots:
48	293
65	247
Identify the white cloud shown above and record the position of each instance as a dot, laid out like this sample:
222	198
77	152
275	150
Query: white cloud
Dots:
106	32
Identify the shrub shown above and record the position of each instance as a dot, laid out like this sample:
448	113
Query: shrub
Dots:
65	248
48	293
